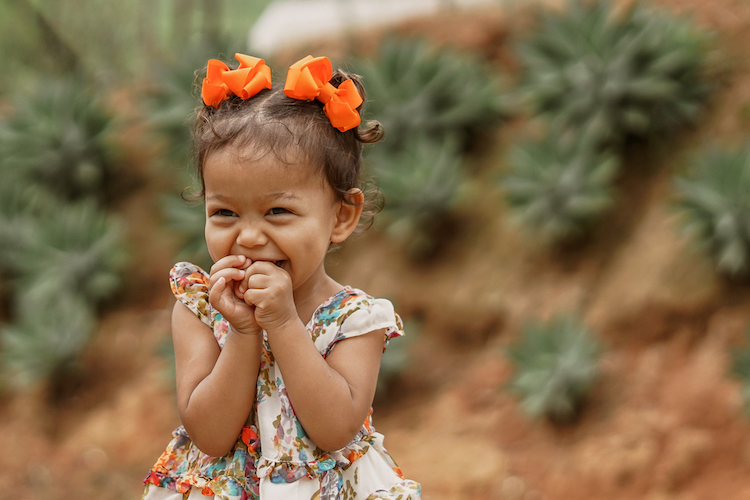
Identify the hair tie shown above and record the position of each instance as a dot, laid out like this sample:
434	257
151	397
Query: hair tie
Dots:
309	79
220	83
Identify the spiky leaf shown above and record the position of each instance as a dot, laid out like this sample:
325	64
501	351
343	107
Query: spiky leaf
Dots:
52	329
715	205
420	184
75	249
607	76
415	89
61	135
556	365
556	189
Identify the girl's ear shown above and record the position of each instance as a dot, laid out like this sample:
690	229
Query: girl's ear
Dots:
348	214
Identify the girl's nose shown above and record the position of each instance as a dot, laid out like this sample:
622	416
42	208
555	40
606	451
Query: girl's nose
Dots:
251	235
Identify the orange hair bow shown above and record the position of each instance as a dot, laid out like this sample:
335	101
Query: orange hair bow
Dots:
221	82
309	79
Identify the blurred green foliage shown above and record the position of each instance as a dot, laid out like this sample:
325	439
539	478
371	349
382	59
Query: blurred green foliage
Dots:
60	135
413	88
606	75
714	199
556	366
112	42
434	104
597	76
75	249
558	189
61	256
69	264
62	252
421	183
47	338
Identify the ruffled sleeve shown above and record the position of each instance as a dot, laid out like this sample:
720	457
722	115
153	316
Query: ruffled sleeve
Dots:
369	315
190	286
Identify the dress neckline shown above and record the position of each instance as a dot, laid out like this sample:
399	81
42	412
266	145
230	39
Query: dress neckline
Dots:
346	290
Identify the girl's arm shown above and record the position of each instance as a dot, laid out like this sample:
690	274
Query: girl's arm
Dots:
331	397
216	387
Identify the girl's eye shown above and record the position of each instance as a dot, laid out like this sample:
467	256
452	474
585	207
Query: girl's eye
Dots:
223	212
278	211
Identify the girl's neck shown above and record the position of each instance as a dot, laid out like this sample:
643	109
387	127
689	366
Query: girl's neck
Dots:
309	298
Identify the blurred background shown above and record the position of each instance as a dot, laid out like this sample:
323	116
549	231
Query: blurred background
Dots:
566	235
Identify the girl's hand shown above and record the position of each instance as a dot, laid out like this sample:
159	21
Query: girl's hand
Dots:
224	296
268	288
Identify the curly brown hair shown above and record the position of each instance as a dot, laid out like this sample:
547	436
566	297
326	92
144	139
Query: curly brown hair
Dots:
297	132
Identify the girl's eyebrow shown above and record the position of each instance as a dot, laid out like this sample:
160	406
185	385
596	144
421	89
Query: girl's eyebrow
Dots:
280	195
283	195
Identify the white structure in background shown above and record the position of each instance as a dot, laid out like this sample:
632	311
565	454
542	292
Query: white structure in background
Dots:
289	22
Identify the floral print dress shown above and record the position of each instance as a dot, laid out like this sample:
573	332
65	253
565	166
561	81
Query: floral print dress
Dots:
274	458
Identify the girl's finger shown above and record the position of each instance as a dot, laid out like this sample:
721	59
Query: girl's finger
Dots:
250	297
256	282
230	261
263	267
214	296
230	274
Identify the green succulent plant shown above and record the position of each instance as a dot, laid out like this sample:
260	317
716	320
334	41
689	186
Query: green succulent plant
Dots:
61	137
413	88
556	366
558	189
714	200
20	206
64	260
75	249
420	184
607	75
45	342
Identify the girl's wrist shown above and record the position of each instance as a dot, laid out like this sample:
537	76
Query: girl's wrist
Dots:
255	332
289	324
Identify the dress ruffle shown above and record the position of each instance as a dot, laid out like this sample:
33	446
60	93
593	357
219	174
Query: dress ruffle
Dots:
183	466
279	471
403	490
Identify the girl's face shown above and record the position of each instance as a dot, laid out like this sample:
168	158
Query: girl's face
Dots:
270	211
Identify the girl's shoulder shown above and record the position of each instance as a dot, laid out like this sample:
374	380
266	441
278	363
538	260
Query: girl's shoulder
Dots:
352	312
